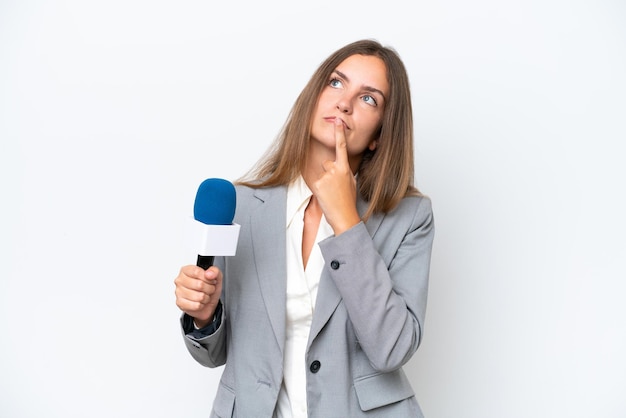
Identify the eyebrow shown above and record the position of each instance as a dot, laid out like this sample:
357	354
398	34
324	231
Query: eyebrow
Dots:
366	88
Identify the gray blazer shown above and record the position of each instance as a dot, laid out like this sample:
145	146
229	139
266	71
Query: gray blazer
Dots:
368	319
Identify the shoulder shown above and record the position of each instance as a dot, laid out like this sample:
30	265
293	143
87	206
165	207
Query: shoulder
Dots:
251	199
244	192
418	208
247	193
413	213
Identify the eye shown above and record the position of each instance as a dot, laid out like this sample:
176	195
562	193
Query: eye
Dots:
335	83
370	100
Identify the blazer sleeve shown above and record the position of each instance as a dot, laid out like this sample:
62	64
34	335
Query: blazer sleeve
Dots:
383	280
207	349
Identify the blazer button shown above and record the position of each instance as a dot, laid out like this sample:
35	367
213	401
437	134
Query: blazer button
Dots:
315	366
334	264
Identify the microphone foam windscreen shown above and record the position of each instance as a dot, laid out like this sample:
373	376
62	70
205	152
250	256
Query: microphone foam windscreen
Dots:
215	202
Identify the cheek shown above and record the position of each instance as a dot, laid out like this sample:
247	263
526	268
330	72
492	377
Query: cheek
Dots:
325	101
371	128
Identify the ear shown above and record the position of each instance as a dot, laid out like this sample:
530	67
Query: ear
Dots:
372	145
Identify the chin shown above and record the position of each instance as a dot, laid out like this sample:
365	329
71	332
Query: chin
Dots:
325	140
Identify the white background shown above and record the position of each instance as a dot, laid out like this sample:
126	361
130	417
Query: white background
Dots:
112	113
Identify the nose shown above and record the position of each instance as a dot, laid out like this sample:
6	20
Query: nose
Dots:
344	105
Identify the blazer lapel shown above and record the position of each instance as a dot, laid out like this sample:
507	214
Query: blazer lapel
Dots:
328	296
268	241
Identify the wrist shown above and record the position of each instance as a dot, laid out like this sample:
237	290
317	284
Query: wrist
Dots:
199	323
206	325
346	225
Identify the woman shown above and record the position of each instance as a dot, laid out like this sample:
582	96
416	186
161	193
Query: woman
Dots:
325	300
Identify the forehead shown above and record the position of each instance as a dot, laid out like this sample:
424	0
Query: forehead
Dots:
365	71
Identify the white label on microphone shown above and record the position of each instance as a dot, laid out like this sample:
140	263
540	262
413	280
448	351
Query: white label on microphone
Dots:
217	240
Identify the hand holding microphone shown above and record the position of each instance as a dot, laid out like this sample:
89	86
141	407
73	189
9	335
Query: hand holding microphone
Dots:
198	292
210	233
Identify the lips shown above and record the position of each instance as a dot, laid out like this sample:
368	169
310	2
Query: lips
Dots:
331	119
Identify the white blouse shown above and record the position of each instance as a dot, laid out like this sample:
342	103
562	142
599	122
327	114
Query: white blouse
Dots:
301	295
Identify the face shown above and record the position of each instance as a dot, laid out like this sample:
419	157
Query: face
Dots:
355	93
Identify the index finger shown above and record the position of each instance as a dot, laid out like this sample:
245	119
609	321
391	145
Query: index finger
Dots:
341	148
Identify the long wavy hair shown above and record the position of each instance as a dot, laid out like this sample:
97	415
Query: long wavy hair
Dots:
385	175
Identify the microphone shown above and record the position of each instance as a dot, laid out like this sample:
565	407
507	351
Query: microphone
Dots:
212	232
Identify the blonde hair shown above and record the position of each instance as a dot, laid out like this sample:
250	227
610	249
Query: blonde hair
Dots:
385	175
